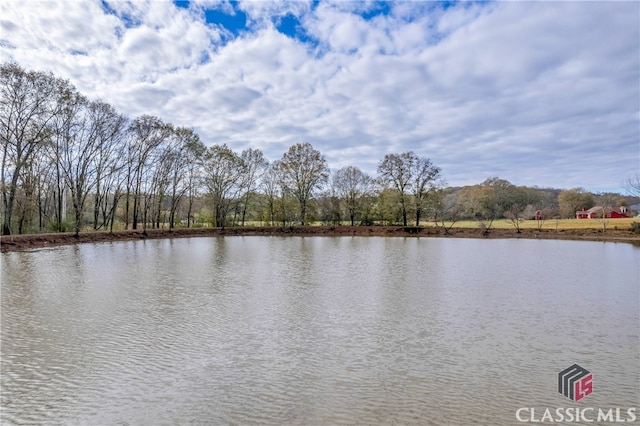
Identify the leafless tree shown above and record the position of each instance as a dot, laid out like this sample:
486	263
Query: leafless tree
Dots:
395	171
147	134
270	185
186	150
633	185
254	167
109	162
304	171
352	185
27	106
223	173
544	214
194	154
330	204
83	132
447	209
426	182
411	176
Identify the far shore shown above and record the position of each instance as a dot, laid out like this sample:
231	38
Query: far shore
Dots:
40	241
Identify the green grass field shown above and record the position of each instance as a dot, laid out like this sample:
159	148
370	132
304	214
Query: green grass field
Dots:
552	224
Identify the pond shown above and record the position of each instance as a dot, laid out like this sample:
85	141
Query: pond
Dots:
315	330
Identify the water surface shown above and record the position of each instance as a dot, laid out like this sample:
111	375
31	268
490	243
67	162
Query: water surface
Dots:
320	330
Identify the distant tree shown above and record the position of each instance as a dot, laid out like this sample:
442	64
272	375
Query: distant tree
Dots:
543	215
515	201
304	171
386	208
109	163
480	202
254	167
42	170
166	161
426	183
607	201
223	173
611	199
82	128
270	186
413	177
503	199
352	186
26	199
27	106
546	199
572	200
147	134
329	206
173	163
184	142
279	203
496	182
633	185
194	155
395	171
447	209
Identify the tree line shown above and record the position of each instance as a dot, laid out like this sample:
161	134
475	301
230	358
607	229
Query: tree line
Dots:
70	163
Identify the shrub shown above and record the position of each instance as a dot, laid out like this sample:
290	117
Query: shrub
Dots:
635	227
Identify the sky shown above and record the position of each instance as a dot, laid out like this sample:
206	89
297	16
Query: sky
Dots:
539	93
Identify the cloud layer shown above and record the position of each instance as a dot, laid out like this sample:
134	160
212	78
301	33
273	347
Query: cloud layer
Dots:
543	94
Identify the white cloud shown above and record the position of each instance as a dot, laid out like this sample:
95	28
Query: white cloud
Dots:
537	93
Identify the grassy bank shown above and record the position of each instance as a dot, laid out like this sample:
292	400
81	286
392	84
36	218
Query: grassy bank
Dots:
618	232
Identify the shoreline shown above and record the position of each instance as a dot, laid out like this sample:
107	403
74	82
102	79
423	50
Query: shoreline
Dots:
24	242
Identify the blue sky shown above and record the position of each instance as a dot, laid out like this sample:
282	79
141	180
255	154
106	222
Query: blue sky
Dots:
539	93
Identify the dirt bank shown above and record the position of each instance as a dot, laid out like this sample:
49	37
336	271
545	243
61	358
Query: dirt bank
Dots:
38	241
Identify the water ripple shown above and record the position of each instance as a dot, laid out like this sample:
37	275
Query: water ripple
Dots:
344	331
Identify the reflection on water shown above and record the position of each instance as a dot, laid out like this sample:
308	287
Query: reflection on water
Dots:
270	330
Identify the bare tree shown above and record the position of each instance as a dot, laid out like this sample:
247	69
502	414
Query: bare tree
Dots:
410	175
164	161
395	170
27	106
606	203
426	181
544	214
43	173
223	172
254	167
186	149
75	138
147	134
447	208
276	193
481	203
515	200
82	130
194	154
269	185
330	204
109	162
352	185
633	185
304	171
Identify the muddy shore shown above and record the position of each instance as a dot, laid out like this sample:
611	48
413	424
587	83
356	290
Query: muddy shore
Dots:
39	241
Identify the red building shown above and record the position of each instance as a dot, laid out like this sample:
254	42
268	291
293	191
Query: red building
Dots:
597	211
